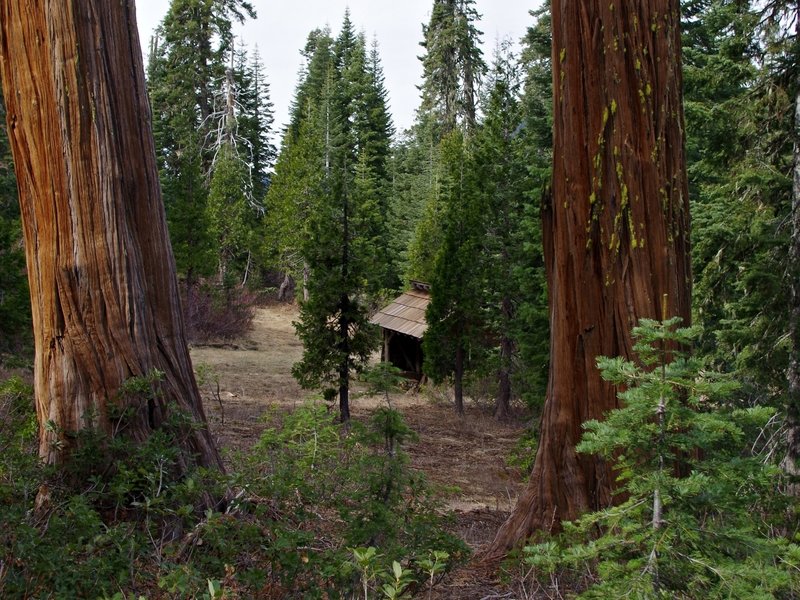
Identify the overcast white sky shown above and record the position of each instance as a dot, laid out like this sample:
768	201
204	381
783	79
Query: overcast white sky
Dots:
282	27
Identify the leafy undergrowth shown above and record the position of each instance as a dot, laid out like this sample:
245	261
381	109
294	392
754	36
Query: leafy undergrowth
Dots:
312	511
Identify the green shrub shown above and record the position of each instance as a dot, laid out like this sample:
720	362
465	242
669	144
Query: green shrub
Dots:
19	467
64	549
114	506
700	511
130	525
337	490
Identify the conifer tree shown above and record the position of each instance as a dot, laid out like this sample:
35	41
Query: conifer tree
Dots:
293	192
428	236
453	337
375	122
301	166
510	261
187	65
255	121
334	320
452	68
732	232
412	177
228	209
616	233
313	78
342	158
537	98
532	326
375	133
101	269
699	531
741	82
242	154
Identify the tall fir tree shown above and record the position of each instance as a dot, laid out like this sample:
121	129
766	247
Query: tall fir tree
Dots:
375	133
739	152
301	165
453	66
454	335
187	64
511	263
537	97
532	323
255	120
341	124
227	212
292	195
243	154
313	78
334	321
411	177
428	235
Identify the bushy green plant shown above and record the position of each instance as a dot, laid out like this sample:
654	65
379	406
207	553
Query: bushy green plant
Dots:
337	489
124	526
96	521
383	378
379	482
18	463
62	547
696	509
396	581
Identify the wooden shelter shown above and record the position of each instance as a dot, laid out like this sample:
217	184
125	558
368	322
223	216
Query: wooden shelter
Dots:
403	324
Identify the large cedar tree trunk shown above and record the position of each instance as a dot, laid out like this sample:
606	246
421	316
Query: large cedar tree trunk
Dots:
102	276
616	232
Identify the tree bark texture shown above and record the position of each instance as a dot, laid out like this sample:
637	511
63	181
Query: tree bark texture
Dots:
102	275
791	462
616	233
502	406
458	380
344	365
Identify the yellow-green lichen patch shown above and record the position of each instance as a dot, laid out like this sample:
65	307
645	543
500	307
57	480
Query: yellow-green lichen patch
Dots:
614	243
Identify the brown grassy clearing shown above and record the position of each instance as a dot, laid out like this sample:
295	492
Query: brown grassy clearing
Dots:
465	458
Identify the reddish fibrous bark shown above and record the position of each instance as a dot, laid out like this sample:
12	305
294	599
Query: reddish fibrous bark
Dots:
616	232
102	277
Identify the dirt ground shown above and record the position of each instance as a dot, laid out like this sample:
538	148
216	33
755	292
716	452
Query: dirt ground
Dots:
466	456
